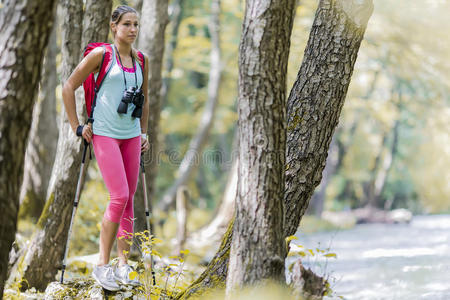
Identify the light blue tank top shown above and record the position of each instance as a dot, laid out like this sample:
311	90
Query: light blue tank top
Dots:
107	121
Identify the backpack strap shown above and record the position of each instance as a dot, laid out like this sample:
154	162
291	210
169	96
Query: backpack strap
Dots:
141	63
105	67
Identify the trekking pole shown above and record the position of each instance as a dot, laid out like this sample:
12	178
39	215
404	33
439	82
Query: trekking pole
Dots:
75	206
147	214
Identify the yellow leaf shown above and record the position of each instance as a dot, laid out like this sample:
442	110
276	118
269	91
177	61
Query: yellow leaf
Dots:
156	241
185	252
154	252
290	238
310	251
132	275
331	255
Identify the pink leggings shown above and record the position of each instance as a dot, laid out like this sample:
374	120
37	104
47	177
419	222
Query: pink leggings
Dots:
118	161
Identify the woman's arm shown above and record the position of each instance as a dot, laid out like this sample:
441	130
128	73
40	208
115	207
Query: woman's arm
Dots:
89	64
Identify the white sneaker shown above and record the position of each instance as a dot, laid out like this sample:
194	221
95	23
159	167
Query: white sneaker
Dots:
104	275
122	275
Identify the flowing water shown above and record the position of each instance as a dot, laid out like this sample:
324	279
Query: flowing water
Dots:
386	261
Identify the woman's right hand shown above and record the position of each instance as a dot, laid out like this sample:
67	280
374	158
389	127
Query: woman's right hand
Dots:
87	132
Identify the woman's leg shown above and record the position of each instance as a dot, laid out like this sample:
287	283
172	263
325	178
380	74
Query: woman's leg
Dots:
109	159
131	149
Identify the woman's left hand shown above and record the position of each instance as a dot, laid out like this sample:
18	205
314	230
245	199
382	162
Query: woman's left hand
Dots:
145	145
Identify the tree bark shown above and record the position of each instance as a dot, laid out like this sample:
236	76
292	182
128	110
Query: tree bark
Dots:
258	248
42	140
316	100
321	85
188	164
41	262
151	41
25	27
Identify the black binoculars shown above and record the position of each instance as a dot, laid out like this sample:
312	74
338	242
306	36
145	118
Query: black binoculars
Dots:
132	95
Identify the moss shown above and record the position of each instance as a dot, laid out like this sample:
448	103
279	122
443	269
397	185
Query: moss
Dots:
295	122
46	211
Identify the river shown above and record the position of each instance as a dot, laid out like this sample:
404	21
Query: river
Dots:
385	261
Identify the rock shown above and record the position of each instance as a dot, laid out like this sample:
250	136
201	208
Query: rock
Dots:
87	289
305	284
400	215
341	219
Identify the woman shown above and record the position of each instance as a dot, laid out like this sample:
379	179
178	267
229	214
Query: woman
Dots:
118	139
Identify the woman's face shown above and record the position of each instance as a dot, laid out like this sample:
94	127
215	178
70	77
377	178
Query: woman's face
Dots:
127	29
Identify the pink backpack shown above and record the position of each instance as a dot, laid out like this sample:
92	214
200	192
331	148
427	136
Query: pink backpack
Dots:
92	86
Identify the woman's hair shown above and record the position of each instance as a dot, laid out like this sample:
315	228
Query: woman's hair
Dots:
120	11
117	15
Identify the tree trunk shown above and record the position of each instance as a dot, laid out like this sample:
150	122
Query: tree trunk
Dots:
214	230
40	263
175	18
188	164
317	203
369	187
322	81
317	97
380	183
182	216
42	140
25	27
258	248
151	41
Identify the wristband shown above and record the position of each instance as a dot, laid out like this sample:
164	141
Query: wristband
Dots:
80	130
144	136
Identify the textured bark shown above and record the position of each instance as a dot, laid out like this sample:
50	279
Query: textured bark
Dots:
42	140
194	152
151	41
258	247
41	262
323	80
25	27
96	21
317	97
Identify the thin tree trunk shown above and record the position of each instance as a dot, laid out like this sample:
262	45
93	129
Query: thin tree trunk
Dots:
151	41
374	173
214	230
323	80
188	164
175	18
258	247
41	262
318	199
42	140
25	28
182	216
